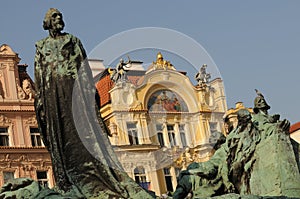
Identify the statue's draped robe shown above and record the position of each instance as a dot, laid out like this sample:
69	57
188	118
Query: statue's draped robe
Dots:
82	158
241	146
233	160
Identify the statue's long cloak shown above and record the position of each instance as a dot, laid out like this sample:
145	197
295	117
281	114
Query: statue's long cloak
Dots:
82	157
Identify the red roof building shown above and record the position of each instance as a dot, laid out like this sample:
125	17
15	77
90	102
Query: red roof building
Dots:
295	131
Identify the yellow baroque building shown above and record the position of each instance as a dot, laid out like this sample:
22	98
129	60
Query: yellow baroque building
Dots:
160	122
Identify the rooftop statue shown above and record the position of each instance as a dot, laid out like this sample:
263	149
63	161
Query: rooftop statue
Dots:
78	173
160	63
202	77
119	73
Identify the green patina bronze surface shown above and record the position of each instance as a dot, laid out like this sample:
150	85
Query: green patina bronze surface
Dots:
257	160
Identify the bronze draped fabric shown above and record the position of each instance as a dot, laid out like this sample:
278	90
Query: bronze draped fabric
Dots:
82	157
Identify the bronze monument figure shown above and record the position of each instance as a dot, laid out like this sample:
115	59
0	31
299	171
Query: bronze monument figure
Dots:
58	59
257	159
228	170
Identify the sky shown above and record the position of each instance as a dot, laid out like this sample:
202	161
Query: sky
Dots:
254	44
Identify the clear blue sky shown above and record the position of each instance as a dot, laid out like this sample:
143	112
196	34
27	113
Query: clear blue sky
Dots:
255	44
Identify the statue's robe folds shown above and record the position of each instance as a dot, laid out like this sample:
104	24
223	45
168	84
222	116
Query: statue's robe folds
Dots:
276	170
228	169
83	160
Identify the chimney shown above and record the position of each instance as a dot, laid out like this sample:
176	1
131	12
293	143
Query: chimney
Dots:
96	65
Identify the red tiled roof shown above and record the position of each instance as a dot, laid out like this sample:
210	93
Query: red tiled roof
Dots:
103	87
295	127
105	84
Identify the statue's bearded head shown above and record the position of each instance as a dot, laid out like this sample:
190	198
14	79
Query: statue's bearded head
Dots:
260	104
244	118
53	20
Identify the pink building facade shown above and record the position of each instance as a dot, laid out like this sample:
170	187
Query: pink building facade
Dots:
22	153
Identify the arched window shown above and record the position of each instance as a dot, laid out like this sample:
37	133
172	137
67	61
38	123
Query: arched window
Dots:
140	177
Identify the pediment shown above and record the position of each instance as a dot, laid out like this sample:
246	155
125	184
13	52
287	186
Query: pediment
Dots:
6	50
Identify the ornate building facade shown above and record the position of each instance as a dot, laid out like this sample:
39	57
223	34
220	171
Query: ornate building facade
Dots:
22	153
159	121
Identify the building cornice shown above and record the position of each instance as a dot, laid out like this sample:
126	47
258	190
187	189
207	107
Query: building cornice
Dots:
139	147
25	102
24	150
165	112
15	110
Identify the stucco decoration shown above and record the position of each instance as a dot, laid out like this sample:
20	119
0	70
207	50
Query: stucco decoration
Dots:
32	120
28	90
4	121
21	93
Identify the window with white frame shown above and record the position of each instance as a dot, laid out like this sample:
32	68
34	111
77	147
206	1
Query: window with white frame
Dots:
4	136
168	179
171	135
42	178
140	177
160	135
182	135
35	135
8	175
132	133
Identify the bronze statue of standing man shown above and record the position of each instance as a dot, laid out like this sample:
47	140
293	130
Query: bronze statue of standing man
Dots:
58	59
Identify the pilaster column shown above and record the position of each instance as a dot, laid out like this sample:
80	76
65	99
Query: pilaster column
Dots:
144	130
188	133
177	134
165	133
